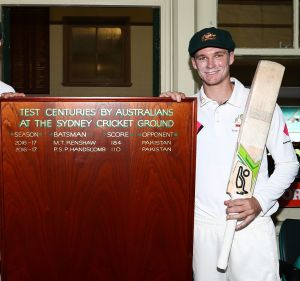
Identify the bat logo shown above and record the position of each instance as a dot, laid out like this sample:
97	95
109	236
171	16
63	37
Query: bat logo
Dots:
244	174
240	181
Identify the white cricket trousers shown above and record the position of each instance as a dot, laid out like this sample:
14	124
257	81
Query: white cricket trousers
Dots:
253	255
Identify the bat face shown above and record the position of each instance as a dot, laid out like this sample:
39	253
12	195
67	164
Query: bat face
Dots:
255	127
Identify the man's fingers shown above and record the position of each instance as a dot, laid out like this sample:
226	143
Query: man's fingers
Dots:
12	95
176	96
243	219
244	223
242	210
239	215
236	206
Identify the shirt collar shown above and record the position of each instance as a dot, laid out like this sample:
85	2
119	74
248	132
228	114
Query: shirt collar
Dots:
233	100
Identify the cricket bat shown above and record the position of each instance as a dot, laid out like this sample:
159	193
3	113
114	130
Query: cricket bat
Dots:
251	141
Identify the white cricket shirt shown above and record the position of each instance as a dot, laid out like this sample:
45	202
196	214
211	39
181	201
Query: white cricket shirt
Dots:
216	142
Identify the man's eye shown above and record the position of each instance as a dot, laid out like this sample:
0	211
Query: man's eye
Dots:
219	55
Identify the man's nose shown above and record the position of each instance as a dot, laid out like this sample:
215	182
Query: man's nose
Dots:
210	62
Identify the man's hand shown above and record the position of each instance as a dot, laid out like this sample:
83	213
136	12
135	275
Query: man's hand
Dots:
176	96
244	210
12	95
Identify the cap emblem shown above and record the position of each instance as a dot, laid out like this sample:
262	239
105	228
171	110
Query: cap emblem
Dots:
208	36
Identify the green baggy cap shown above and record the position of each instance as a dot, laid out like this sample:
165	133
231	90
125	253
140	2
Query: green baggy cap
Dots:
211	37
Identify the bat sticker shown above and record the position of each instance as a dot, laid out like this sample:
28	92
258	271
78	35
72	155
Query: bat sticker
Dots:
240	181
244	174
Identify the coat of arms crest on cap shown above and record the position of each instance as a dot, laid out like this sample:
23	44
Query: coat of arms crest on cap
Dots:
208	36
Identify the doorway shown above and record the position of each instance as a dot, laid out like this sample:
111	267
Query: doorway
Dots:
33	55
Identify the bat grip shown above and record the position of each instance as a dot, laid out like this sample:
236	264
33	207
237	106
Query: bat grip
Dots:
226	246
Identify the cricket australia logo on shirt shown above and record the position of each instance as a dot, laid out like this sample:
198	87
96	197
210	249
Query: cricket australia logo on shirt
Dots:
237	122
244	174
199	127
286	135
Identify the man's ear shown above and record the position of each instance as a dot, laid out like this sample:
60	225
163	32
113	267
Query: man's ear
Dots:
193	63
231	58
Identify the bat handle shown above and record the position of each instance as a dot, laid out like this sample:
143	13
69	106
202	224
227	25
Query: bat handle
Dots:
227	242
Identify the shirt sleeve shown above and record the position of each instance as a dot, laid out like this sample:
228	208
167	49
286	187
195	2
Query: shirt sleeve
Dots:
285	161
4	88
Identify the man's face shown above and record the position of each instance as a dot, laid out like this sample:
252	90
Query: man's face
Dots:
212	64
